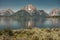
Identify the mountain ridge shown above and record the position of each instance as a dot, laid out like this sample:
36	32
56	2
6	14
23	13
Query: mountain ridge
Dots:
55	12
6	12
31	11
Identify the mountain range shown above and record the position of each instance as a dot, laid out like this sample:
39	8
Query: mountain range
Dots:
55	12
30	10
6	12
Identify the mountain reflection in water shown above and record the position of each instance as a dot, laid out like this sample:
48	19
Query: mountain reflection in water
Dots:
22	22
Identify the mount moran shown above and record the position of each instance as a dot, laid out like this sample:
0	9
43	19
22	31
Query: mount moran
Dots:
30	10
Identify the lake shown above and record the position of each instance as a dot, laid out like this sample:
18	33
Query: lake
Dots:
22	22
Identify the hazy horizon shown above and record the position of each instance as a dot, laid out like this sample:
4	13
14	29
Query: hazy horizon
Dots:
16	5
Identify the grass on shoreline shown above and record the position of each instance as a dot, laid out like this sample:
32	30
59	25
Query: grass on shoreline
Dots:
31	34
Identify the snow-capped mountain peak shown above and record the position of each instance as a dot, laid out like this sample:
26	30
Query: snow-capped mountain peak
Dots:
29	8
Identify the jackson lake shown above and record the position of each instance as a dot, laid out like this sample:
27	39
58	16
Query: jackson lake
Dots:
22	22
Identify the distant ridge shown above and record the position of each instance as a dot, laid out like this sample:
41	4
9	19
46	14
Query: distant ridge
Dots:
30	10
55	12
6	12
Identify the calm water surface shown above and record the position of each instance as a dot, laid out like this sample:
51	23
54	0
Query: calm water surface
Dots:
16	23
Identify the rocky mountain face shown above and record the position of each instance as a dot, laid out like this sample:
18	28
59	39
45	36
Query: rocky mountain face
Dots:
21	13
7	12
55	12
42	13
30	10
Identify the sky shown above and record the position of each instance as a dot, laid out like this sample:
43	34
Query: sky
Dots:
16	5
